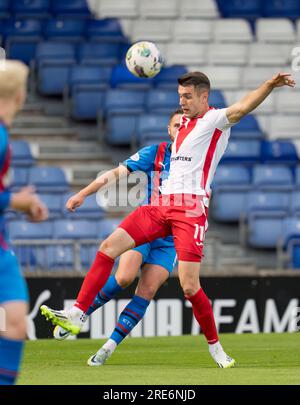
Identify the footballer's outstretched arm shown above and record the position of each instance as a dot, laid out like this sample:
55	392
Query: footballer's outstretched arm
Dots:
104	180
255	98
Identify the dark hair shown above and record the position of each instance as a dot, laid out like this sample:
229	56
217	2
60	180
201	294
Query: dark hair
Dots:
178	111
197	79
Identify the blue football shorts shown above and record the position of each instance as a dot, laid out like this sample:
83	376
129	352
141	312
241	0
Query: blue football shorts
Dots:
160	253
12	284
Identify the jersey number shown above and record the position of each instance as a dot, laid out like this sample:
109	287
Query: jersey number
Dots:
199	234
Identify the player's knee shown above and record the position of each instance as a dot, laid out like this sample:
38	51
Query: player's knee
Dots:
107	248
124	281
146	291
189	289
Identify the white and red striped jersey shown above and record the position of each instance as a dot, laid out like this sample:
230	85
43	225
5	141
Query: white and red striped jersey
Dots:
198	147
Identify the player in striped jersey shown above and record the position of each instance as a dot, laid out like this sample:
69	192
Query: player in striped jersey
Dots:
181	211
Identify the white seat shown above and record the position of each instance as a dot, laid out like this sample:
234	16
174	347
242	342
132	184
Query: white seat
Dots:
266	107
288	102
151	30
254	76
158	8
267	55
222	78
118	8
185	54
279	30
193	31
298	30
284	127
126	24
198	9
227	54
232	30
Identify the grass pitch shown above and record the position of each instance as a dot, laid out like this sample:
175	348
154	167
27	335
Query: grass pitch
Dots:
184	360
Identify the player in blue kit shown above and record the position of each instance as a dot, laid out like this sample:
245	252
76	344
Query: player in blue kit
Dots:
157	259
13	291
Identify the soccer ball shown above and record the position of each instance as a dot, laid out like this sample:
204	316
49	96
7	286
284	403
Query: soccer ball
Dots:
144	59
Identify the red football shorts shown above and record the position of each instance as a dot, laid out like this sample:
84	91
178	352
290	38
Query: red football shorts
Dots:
182	215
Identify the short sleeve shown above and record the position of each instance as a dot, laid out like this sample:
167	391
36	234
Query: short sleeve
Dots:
142	160
5	197
220	119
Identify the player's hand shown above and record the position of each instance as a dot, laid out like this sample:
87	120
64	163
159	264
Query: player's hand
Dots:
74	202
282	79
28	202
38	211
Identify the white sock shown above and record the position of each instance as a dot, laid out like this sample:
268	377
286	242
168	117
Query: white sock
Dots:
110	345
216	347
77	315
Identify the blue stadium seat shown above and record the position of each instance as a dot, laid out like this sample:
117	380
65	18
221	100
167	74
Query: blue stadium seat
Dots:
56	258
95	53
297	177
167	78
21	154
230	187
89	210
107	226
231	175
4	8
123	79
279	151
295	203
64	30
228	204
120	101
48	179
23	230
265	230
87	102
150	125
54	204
70	8
291	230
30	230
19	177
274	178
30	8
161	101
270	202
246	151
21	38
55	51
216	99
89	75
53	76
250	9
105	30
247	128
87	85
281	8
121	129
75	229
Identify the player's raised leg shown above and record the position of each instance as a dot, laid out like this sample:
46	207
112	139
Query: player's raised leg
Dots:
152	277
141	226
129	265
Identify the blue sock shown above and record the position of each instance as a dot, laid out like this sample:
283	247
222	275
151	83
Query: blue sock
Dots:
10	359
110	289
129	318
